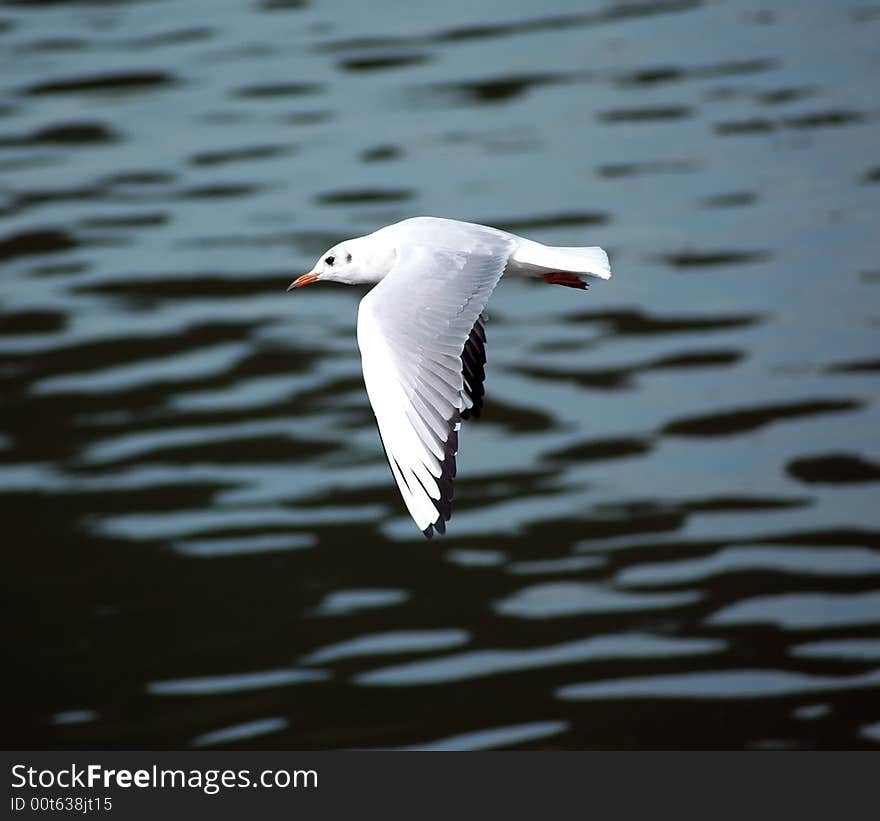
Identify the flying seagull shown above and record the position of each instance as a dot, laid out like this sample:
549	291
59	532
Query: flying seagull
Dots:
422	335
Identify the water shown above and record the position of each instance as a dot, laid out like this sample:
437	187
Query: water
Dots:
666	524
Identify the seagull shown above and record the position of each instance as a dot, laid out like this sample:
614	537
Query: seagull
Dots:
422	335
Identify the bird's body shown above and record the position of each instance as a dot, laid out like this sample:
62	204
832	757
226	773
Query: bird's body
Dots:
421	333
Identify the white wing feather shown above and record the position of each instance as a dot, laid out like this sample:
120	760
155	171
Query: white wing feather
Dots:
412	328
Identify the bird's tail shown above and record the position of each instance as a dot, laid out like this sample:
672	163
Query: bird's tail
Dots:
562	266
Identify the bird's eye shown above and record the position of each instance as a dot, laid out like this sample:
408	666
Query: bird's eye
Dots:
330	260
348	257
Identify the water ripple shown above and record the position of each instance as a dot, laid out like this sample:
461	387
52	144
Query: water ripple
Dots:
803	611
240	732
479	663
724	684
560	599
815	561
494	737
394	642
233	683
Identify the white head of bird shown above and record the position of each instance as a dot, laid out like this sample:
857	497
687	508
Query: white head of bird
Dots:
360	261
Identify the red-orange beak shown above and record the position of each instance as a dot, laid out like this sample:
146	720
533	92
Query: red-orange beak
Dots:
305	279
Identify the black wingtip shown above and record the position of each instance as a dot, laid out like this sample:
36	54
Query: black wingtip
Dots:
445	482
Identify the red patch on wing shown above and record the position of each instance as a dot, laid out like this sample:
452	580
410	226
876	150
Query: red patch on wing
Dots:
568	280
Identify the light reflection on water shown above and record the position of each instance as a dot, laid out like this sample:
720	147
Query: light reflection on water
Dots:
665	529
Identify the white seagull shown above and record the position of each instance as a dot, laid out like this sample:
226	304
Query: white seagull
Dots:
422	335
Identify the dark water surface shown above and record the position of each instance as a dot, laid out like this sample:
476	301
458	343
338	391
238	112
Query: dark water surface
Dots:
666	524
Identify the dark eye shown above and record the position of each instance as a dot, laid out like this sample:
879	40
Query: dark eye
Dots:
348	257
330	260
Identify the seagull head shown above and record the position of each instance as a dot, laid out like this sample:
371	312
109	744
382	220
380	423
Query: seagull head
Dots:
364	260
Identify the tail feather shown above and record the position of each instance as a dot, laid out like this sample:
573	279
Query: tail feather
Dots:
591	261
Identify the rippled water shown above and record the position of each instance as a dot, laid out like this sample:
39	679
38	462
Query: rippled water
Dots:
666	524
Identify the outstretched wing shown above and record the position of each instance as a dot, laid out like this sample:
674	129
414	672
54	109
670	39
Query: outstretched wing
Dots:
422	348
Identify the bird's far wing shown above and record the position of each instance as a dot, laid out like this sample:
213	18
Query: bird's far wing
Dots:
473	369
413	328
